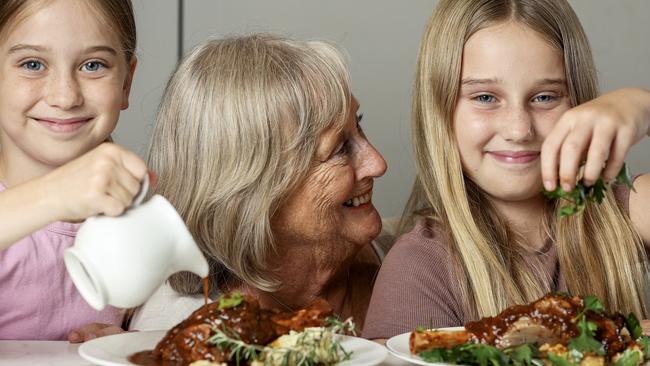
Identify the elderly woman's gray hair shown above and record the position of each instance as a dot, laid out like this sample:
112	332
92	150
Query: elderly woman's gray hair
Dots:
237	131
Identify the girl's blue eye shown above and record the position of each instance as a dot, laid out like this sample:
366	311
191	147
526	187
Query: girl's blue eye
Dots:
544	98
33	65
92	66
485	98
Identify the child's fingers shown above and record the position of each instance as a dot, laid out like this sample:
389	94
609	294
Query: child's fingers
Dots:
134	164
619	150
550	154
127	187
110	206
108	330
598	153
122	194
92	331
571	153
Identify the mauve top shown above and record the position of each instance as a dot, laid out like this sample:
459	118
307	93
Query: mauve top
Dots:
38	299
416	283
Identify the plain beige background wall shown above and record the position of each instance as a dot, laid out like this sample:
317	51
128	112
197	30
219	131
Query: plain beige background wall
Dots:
381	38
157	27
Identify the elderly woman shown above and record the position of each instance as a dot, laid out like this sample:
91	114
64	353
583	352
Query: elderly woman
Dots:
258	145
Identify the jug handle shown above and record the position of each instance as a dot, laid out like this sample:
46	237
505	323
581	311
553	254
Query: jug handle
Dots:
144	188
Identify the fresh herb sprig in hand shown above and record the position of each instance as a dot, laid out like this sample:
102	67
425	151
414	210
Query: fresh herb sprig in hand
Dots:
578	198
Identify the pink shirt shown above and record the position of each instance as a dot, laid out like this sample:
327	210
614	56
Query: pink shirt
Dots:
37	297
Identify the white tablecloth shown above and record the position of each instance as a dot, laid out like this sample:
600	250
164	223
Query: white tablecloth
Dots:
59	353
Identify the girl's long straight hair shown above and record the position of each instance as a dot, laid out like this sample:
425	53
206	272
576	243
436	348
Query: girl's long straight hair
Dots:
599	251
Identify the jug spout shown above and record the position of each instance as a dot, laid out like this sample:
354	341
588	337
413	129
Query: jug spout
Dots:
191	259
201	268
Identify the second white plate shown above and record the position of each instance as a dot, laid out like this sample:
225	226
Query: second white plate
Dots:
398	346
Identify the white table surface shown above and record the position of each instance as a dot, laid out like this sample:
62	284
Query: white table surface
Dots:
55	353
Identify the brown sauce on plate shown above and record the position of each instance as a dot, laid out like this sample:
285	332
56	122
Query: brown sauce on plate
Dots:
146	358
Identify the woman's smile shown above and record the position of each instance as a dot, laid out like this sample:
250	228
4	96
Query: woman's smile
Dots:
514	157
360	201
63	126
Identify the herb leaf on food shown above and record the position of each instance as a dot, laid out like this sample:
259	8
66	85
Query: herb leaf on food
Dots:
633	326
585	342
558	360
522	355
644	342
630	357
592	303
226	302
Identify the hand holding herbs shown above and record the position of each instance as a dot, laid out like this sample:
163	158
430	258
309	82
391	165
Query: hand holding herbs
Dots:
577	199
598	133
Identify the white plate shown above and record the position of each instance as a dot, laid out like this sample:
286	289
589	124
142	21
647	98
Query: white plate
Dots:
114	350
398	346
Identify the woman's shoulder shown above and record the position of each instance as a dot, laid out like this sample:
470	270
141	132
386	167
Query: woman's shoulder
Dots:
636	203
416	285
421	253
164	309
426	239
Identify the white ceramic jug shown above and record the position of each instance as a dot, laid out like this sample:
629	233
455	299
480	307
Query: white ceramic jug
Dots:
121	261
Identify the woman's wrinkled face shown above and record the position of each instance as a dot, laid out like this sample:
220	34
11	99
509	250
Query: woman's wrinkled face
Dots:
513	91
334	202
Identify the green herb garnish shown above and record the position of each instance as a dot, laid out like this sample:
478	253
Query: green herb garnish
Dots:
484	355
558	360
592	303
578	198
467	354
227	302
523	355
586	341
631	357
314	346
633	326
644	342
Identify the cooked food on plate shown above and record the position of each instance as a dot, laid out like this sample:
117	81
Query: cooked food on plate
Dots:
557	329
236	331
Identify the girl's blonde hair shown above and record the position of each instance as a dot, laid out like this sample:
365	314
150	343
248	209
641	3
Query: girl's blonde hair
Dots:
599	251
116	14
237	130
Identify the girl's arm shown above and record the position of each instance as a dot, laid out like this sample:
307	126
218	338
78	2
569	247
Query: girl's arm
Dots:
23	210
601	132
103	181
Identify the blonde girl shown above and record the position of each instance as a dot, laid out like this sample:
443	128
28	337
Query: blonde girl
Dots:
503	103
65	73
